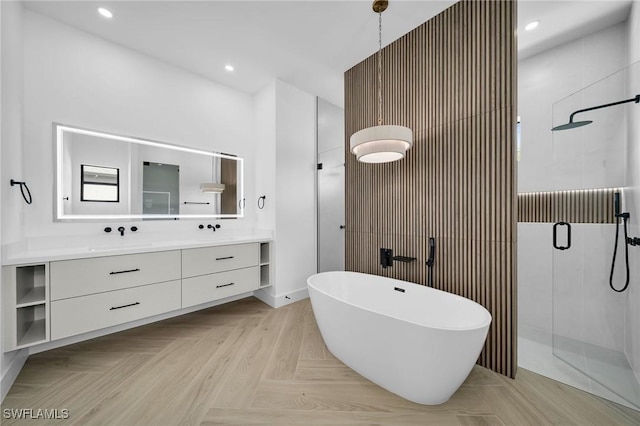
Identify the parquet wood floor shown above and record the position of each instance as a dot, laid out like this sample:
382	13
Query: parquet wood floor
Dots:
245	363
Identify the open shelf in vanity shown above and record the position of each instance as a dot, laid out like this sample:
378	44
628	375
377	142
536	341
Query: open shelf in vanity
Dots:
265	270
25	298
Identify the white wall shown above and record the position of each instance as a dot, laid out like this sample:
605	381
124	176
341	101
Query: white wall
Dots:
549	77
582	161
265	136
632	332
287	173
12	84
295	231
74	78
10	134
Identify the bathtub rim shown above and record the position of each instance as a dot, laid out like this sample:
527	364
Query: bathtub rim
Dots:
484	324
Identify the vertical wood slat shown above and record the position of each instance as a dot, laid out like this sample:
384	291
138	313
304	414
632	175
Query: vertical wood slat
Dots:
453	82
576	206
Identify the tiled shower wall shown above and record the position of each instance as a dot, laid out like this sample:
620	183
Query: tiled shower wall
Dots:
544	80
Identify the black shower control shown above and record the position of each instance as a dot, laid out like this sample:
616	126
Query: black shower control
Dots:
633	241
107	229
201	226
134	228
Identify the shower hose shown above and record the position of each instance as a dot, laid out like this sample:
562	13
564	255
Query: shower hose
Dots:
625	217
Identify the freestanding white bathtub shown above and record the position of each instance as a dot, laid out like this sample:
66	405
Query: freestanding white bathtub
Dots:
415	341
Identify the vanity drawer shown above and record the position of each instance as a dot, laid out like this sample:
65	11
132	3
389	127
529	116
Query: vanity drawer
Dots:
73	278
87	313
208	260
206	288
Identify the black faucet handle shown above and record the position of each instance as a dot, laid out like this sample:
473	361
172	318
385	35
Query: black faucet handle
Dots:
386	257
107	229
134	228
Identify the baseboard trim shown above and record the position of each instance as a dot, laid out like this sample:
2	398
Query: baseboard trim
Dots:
15	366
283	299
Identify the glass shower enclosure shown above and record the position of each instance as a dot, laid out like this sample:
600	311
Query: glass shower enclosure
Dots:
330	181
596	330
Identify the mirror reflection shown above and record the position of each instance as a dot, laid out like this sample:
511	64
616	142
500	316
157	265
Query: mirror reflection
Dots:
99	184
101	175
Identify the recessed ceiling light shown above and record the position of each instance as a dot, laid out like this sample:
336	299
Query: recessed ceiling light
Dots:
228	67
531	25
105	12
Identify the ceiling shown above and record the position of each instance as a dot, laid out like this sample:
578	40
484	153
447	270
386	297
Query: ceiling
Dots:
306	43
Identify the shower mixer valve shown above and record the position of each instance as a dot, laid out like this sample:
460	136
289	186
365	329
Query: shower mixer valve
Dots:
633	241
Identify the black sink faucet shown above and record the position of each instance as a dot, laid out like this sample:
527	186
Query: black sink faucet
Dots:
121	229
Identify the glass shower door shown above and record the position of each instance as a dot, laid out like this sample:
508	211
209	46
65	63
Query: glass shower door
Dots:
591	322
330	181
331	231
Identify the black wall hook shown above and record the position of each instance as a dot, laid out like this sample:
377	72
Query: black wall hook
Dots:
23	187
261	201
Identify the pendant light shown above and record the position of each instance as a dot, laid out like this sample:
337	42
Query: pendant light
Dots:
216	188
213	186
381	143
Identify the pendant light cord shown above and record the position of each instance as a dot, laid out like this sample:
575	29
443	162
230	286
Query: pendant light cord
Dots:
379	68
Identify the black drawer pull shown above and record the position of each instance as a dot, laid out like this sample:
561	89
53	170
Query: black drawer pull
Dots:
224	285
124	272
124	306
224	258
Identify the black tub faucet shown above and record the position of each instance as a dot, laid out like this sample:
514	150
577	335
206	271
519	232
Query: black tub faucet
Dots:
386	257
121	230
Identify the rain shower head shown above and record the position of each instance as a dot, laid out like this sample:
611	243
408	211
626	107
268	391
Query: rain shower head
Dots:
573	124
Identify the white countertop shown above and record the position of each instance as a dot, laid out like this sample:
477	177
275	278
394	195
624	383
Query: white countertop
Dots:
27	252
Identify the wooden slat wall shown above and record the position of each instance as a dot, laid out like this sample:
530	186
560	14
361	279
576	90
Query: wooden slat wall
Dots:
579	206
453	82
229	176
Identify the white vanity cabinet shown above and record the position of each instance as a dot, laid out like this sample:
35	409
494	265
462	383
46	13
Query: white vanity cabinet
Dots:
213	273
77	315
90	294
56	299
80	277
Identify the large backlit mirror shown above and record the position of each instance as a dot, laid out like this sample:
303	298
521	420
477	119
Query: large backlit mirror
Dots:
106	176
